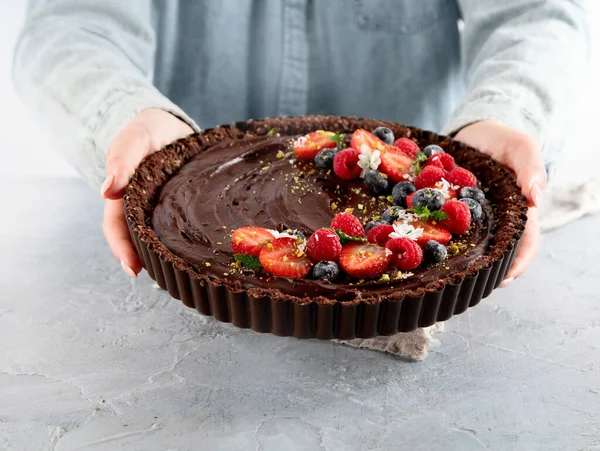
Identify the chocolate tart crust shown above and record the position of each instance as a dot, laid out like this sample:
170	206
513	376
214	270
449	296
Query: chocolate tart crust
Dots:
269	310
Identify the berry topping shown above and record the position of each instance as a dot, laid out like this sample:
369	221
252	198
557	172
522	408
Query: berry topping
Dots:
324	244
345	164
380	234
432	232
407	254
348	224
432	149
385	134
250	240
472	193
461	177
282	257
372	224
444	161
401	191
433	199
376	183
429	176
474	208
394	163
364	260
407	147
434	252
324	159
307	147
392	214
459	217
326	271
409	200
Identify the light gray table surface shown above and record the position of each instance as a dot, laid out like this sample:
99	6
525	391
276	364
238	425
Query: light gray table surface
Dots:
91	360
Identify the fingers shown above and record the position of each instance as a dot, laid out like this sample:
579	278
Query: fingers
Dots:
117	235
530	244
524	157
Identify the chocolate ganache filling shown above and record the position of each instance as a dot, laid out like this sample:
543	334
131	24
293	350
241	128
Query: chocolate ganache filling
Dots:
258	182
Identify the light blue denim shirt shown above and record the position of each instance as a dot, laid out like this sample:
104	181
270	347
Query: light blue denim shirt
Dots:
86	67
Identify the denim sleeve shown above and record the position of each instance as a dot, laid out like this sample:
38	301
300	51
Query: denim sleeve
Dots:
83	67
522	61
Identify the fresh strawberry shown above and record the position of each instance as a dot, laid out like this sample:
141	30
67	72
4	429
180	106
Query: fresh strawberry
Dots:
349	224
443	161
409	199
462	178
380	234
308	146
250	240
364	260
281	257
324	245
394	162
452	194
407	254
429	176
345	164
407	146
432	232
459	217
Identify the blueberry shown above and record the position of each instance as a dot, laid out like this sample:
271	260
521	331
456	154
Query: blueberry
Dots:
434	252
430	198
385	134
391	214
324	159
376	184
472	193
326	271
401	191
474	207
372	224
432	149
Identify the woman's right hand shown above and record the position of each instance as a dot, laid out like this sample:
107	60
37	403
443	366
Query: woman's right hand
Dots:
148	132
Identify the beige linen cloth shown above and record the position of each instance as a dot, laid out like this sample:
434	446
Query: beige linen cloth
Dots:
561	205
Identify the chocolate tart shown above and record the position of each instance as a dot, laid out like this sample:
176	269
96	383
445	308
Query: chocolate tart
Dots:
183	202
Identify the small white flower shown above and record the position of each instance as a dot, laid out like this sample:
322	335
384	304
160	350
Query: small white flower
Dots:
402	230
444	187
300	141
368	159
409	177
405	217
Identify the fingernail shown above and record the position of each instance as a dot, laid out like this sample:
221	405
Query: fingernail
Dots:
506	282
130	272
107	183
536	194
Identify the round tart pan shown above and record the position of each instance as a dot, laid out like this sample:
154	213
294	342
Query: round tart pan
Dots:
280	314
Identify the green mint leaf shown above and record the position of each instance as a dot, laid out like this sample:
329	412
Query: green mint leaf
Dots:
272	132
347	238
438	215
248	261
338	139
416	168
425	214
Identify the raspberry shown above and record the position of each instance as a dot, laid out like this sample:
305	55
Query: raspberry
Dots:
407	254
429	176
407	146
459	217
462	178
345	164
348	224
324	245
443	161
380	234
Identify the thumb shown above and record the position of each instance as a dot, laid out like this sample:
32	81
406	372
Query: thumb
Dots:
525	158
129	147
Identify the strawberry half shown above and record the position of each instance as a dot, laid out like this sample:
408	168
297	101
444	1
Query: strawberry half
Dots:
432	232
394	162
364	260
250	240
281	257
307	147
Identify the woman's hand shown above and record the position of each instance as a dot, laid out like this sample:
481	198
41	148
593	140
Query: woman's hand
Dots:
519	153
149	131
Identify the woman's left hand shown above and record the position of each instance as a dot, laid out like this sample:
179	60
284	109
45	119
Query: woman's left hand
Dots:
522	155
